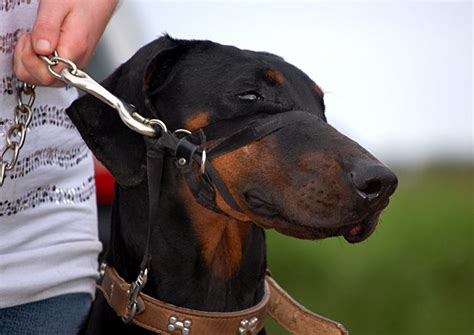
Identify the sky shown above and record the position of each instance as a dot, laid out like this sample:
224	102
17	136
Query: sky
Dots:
397	76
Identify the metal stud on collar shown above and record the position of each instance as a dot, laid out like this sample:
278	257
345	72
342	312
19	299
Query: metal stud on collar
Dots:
184	326
248	327
102	268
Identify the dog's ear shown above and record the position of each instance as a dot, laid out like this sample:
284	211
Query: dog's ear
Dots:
119	148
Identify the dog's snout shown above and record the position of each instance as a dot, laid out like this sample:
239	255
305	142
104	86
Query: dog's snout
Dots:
373	181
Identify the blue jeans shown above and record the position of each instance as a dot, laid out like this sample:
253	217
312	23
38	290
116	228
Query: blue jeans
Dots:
61	315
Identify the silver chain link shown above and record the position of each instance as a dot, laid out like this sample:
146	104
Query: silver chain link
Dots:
15	136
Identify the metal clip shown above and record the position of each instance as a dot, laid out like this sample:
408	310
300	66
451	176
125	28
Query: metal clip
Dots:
127	112
134	291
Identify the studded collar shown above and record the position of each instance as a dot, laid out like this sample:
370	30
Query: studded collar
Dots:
164	318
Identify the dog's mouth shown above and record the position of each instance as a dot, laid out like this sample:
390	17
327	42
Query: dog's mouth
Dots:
361	231
352	233
356	231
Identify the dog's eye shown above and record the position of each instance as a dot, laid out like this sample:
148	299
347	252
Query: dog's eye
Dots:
250	95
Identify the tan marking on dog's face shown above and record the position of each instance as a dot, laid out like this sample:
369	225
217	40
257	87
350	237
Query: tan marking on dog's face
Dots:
318	90
197	120
274	77
239	167
220	238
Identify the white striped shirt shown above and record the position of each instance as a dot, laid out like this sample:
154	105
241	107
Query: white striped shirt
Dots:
48	219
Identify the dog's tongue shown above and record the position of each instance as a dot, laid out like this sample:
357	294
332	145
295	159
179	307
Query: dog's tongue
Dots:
356	230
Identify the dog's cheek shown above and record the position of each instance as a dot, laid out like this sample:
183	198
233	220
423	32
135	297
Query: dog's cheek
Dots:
253	164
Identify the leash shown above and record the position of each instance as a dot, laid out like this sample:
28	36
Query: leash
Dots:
191	152
16	134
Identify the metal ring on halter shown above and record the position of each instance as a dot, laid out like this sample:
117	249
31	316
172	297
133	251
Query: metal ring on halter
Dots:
182	130
203	162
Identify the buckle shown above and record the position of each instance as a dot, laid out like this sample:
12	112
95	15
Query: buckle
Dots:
137	286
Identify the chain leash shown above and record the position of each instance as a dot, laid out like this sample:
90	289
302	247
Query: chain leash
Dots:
15	136
72	76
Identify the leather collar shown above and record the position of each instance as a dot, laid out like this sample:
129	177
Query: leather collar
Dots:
164	318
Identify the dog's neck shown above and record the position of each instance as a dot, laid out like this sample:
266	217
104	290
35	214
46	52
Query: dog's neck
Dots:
200	259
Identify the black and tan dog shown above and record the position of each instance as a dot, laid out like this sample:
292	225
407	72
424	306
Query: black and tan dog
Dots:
305	180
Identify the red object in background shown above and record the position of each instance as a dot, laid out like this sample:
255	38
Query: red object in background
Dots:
104	183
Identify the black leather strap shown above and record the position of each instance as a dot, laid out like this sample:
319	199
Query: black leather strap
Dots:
155	156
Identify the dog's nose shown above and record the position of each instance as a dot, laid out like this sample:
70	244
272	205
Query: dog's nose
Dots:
373	180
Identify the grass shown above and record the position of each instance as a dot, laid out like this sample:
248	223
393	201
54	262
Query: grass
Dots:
414	275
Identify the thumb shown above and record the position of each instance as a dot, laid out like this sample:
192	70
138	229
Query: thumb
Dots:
47	27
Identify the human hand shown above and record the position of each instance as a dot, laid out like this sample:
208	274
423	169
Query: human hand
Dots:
72	27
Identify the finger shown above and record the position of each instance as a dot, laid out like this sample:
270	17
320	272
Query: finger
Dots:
74	44
47	27
79	44
28	67
18	67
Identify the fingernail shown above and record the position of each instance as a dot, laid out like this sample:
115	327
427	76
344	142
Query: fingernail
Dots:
43	46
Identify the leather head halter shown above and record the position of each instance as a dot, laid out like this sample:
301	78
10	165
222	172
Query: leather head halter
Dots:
226	136
192	159
192	155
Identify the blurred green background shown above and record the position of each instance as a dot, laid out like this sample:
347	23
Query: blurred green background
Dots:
414	275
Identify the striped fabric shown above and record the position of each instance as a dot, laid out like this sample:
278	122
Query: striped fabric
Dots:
48	219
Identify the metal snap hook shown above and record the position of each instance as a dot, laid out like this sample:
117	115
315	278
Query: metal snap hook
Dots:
134	292
158	122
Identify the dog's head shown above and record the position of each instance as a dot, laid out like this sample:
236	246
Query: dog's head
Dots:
305	180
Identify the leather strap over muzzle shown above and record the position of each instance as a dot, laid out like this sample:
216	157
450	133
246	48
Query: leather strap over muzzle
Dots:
215	140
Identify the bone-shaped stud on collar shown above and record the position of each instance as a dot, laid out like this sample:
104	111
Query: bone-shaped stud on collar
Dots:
175	324
248	327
